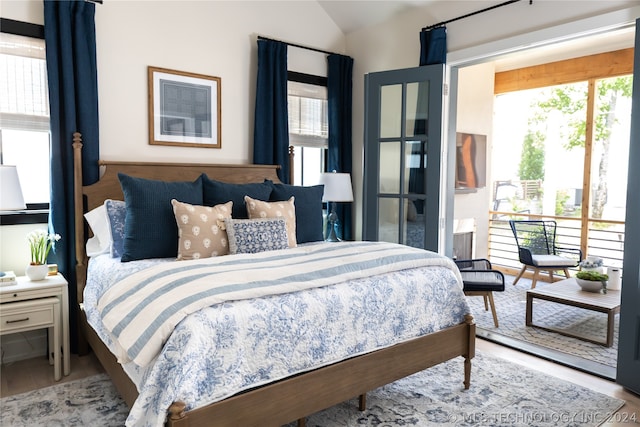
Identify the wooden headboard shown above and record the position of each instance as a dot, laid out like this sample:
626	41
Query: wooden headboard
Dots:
108	187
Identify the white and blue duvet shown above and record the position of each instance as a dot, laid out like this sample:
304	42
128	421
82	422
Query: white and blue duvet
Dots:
203	330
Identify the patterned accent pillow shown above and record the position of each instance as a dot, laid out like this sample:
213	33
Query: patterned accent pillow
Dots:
249	236
116	213
201	230
284	209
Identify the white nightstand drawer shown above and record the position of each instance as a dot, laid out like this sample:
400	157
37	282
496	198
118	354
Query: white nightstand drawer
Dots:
27	315
21	295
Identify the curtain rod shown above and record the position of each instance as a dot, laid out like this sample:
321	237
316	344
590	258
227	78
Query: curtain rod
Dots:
477	12
300	46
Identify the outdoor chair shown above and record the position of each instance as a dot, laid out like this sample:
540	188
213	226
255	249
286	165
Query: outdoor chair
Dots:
537	250
479	279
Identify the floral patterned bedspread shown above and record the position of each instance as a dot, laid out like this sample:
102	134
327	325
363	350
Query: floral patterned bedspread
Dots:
221	350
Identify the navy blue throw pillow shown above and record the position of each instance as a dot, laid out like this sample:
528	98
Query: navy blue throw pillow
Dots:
150	229
308	202
216	193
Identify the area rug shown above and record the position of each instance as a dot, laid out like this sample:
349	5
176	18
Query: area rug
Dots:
511	307
501	393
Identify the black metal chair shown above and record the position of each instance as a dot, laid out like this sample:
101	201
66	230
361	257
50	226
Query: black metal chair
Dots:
479	279
537	249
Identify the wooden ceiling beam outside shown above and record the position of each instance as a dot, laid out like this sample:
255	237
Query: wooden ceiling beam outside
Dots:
610	64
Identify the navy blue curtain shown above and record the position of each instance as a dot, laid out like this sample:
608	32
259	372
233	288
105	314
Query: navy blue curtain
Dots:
433	50
433	46
339	94
271	129
70	40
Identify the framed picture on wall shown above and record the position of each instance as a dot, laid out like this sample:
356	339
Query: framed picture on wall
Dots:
471	160
184	109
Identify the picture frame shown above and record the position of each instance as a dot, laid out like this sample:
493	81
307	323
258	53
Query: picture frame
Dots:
184	108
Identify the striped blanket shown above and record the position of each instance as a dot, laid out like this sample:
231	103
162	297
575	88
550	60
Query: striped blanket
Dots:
141	311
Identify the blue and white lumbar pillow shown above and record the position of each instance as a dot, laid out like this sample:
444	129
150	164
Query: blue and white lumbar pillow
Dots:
116	213
248	236
285	209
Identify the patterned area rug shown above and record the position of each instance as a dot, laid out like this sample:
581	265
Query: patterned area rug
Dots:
511	305
501	393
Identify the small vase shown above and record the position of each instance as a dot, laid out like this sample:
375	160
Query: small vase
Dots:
37	271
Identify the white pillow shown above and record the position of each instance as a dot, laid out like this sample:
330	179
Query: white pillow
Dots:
100	243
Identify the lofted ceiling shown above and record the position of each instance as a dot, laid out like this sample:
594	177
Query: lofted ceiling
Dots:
353	15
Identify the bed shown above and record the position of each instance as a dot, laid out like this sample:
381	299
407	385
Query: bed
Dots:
322	379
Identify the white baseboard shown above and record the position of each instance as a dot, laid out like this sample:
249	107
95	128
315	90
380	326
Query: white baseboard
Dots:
24	345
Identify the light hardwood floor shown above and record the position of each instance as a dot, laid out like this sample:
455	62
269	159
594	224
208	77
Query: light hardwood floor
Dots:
26	375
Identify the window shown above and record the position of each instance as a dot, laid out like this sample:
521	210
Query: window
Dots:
24	109
308	128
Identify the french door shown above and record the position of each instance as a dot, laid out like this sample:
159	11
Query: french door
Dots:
403	146
628	373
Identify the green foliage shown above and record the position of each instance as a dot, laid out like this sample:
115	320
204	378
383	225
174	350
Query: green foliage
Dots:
531	165
592	275
517	205
536	240
561	200
570	100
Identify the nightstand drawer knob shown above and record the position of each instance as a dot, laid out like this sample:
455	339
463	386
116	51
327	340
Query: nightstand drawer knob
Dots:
17	320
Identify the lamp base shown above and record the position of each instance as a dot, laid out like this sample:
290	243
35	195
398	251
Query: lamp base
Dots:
331	234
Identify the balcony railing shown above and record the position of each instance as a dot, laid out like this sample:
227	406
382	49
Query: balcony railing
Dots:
601	238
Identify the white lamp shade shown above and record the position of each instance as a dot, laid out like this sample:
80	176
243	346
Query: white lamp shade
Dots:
337	187
10	191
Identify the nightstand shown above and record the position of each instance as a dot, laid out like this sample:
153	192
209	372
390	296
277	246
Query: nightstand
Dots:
28	305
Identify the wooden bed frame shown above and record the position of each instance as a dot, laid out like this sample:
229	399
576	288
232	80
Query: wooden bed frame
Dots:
283	401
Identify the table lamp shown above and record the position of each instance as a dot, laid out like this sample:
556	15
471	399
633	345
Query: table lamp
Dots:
10	191
337	188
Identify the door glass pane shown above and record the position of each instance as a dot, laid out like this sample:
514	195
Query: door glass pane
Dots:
417	108
415	166
389	177
414	226
388	210
390	111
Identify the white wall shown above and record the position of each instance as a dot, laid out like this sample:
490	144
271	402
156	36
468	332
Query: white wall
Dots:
14	249
215	38
395	44
475	115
